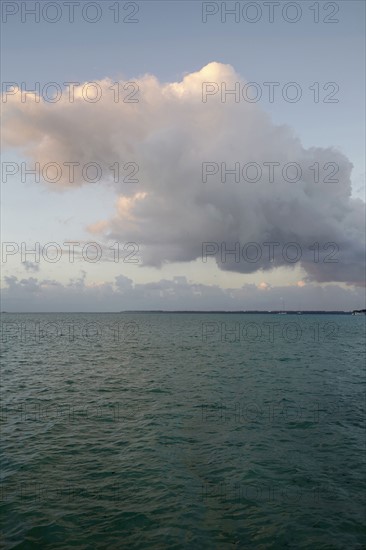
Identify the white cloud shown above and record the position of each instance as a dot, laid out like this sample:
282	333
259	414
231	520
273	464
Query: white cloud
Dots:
170	212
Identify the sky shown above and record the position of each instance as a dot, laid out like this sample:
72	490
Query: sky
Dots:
194	218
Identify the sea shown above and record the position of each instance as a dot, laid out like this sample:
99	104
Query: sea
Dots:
183	430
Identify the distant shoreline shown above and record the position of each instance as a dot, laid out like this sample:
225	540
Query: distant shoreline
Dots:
196	312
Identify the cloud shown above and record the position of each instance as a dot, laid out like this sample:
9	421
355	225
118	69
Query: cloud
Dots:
32	295
263	286
30	266
170	212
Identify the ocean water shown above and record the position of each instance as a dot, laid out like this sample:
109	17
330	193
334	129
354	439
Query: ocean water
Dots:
194	431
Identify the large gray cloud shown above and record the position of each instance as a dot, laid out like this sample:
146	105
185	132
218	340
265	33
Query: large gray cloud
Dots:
171	212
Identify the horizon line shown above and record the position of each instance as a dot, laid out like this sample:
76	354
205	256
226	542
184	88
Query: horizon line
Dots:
252	311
